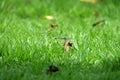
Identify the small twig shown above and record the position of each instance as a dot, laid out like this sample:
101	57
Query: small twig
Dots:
98	23
64	38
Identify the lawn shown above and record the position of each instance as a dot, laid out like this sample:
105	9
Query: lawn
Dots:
30	42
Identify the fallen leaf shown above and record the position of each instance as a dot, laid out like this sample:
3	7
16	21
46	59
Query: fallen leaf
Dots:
53	68
99	23
92	1
49	17
53	25
67	45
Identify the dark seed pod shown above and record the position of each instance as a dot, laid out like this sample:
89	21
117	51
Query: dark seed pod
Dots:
53	68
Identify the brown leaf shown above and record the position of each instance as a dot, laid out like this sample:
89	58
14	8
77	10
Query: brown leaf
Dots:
67	45
53	25
99	23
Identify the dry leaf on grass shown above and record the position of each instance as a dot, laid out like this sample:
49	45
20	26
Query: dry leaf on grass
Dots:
92	1
49	17
51	27
67	45
99	23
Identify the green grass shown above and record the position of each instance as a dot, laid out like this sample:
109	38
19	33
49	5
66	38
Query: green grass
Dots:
27	50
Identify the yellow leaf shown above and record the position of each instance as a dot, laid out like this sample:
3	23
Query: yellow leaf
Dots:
92	1
49	17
